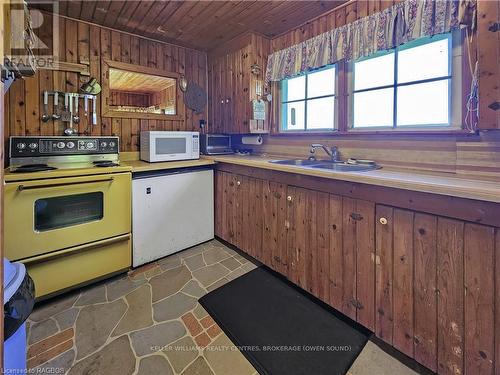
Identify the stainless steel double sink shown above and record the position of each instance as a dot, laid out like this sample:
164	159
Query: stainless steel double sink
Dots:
337	166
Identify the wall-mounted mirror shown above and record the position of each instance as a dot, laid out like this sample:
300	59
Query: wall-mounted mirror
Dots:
132	91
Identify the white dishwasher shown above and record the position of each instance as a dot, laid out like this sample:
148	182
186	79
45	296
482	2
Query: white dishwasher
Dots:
171	211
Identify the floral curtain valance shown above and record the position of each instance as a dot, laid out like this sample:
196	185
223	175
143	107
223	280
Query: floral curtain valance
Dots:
401	23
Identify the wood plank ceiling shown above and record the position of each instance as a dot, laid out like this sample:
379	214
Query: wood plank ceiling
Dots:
198	24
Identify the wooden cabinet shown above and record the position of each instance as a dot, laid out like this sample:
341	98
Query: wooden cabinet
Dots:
423	283
435	289
233	86
239	211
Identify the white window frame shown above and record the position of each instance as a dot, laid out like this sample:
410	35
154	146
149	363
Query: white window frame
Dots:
455	88
305	99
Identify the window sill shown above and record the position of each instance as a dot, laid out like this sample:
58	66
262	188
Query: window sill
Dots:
335	133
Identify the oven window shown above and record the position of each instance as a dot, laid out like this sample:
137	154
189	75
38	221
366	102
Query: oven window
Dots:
218	142
68	210
170	146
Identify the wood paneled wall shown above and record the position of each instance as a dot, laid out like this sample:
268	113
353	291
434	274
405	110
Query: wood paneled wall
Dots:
464	154
134	99
472	155
87	43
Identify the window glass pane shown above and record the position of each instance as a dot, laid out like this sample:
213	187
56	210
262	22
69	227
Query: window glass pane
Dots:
373	108
321	83
423	62
423	104
320	113
374	72
295	116
296	88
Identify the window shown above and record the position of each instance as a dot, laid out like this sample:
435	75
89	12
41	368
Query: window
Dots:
308	101
410	86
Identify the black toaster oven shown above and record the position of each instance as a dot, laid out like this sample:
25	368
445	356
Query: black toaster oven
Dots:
215	144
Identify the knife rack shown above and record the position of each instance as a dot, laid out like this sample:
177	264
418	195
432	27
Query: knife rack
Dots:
64	112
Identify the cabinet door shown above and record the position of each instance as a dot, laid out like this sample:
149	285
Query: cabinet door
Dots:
435	289
225	214
308	240
254	217
352	269
219	202
296	239
274	243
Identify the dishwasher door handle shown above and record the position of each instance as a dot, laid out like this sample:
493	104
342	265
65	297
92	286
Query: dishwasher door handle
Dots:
34	187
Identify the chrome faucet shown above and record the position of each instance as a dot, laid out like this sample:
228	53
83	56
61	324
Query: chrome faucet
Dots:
333	153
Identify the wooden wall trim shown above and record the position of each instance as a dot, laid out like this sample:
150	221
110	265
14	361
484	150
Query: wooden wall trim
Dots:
459	208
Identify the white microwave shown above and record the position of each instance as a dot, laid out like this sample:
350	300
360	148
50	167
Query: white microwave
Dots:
169	145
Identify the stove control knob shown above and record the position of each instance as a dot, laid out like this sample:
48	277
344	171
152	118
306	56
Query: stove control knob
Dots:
90	145
103	144
33	145
70	144
112	144
21	146
61	145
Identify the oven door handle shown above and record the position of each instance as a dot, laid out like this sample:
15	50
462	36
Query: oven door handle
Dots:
74	250
33	187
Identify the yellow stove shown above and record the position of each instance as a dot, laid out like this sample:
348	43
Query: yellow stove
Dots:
67	210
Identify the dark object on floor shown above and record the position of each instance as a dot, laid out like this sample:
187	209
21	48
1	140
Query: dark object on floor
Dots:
291	333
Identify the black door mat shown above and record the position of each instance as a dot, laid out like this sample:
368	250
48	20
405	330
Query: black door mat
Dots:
280	329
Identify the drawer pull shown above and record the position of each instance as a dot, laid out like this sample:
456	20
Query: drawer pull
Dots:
33	187
383	221
238	183
74	250
289	198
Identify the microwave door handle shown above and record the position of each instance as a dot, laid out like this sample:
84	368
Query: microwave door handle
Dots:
34	187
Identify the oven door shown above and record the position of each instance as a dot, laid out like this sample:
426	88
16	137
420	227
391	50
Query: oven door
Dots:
166	147
47	215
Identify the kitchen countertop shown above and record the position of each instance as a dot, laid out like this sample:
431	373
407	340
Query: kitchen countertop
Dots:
427	182
143	166
125	166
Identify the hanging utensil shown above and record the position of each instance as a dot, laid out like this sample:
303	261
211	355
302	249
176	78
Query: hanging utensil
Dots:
55	114
76	117
94	110
65	115
45	116
86	105
70	130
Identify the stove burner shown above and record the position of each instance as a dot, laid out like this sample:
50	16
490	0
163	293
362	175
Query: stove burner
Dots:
33	168
105	163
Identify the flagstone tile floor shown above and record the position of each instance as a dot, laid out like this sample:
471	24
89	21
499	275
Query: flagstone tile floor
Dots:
149	321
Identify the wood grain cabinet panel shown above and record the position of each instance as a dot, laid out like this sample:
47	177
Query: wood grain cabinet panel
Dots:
425	289
479	256
296	238
450	268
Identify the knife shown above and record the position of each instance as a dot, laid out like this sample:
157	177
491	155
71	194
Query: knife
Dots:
86	105
94	109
